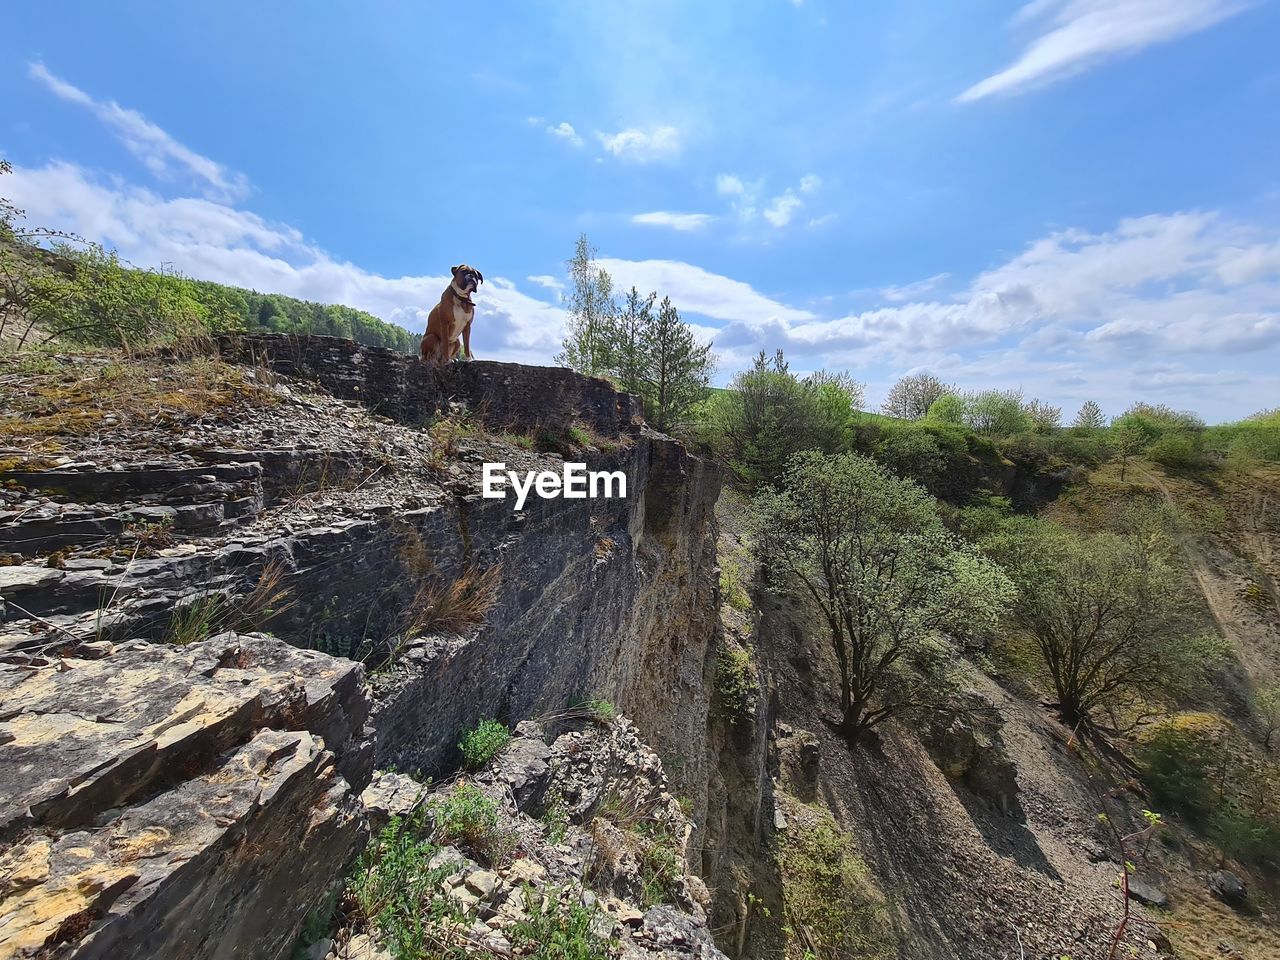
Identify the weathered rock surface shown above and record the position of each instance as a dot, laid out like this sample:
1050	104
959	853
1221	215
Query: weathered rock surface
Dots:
176	802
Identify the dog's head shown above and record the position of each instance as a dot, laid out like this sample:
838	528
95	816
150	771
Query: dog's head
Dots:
467	279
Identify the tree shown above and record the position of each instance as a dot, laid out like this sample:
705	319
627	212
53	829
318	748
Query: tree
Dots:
912	396
768	414
1107	614
1044	418
628	351
1090	417
1126	441
676	368
948	408
592	312
871	551
996	413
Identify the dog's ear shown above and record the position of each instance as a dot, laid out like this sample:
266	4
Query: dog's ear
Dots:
480	276
455	270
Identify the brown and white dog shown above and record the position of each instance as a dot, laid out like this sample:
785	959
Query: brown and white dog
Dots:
450	319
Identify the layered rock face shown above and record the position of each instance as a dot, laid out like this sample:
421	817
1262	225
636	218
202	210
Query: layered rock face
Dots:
170	785
176	802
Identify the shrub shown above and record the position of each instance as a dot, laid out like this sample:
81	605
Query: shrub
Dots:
1179	451
465	816
832	904
557	931
479	744
736	687
731	586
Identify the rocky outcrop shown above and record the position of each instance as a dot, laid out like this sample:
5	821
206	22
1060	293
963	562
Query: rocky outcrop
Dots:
176	802
584	817
161	781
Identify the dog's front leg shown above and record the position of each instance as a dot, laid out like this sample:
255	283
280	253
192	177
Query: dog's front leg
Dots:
466	341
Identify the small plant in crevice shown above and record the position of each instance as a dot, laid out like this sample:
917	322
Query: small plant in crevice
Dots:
440	607
479	744
555	817
215	611
395	892
557	931
465	816
737	687
733	590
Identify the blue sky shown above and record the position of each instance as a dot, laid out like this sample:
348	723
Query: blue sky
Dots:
1080	198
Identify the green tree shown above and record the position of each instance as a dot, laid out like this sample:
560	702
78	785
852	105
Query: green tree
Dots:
1108	614
996	413
871	551
1044	417
592	313
677	368
628	351
948	408
912	396
768	414
1089	417
1126	442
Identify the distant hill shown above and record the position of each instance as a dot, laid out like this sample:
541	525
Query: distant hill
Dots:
272	312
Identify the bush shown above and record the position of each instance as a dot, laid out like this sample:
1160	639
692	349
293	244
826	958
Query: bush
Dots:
468	818
479	744
557	931
828	893
1179	451
736	687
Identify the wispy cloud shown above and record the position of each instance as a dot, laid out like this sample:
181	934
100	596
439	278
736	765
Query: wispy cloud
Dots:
700	291
1077	34
912	291
746	196
642	146
565	131
676	221
550	283
160	153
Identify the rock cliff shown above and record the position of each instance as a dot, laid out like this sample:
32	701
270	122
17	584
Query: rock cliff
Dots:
171	775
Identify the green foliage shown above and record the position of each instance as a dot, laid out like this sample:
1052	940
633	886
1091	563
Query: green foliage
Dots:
737	687
652	353
948	460
948	408
769	414
1250	441
870	550
1195	764
1179	452
557	931
1154	421
482	742
398	895
1108	613
833	908
465	816
1089	417
732	588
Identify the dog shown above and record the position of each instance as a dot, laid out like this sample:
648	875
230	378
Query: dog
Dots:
450	319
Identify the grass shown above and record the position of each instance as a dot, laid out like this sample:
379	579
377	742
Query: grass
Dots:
479	744
626	829
833	909
213	612
439	607
732	587
56	397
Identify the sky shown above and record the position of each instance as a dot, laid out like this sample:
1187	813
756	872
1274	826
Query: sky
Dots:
1076	198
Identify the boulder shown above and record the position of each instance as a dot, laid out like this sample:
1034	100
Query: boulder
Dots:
1147	895
1228	888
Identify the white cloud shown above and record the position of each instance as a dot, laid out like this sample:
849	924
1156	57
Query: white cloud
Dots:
214	241
565	131
676	221
730	185
550	283
820	221
697	290
164	156
1080	33
642	146
782	208
810	183
910	291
